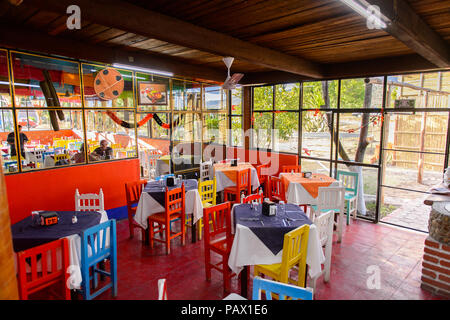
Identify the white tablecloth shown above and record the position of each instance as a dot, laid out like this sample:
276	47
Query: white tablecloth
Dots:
297	194
148	206
249	250
222	181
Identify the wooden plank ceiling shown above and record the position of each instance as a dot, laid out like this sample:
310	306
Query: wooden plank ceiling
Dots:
324	32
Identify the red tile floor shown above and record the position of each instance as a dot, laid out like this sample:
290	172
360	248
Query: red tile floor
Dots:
397	252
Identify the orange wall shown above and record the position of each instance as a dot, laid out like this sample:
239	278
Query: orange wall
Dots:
54	189
276	160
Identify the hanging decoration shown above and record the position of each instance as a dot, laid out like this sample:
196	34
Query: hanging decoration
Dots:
144	121
108	84
374	119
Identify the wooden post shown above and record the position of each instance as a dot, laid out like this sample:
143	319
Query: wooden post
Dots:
8	280
423	127
247	119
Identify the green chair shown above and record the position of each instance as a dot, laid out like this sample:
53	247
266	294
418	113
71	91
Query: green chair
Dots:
350	181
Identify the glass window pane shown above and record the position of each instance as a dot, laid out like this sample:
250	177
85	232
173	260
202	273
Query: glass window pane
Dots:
404	208
360	126
236	131
367	190
193	96
47	148
31	89
287	96
421	131
215	98
419	90
236	101
286	132
106	87
189	127
263	98
5	94
262	130
9	161
152	92
316	137
215	128
362	93
402	170
315	166
316	92
119	142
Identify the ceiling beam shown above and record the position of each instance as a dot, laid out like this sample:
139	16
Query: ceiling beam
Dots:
21	38
408	27
131	18
355	69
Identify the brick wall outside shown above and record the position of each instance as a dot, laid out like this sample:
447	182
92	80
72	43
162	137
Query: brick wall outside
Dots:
436	268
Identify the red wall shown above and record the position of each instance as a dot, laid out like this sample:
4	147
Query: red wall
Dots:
44	136
54	189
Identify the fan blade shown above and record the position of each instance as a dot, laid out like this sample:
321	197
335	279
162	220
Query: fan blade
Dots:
231	82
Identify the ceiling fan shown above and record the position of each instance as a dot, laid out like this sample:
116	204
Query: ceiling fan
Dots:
231	81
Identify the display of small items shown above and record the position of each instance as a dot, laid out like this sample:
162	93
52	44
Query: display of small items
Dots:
44	218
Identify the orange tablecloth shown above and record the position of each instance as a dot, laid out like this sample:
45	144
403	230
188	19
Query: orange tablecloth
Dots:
230	171
311	185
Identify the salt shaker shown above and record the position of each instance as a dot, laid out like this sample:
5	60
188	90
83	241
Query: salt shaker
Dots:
74	219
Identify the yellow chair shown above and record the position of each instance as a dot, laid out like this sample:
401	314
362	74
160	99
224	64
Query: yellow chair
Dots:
207	190
62	156
295	246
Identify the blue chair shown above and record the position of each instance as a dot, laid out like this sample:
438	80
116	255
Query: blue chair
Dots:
164	176
94	250
283	290
350	181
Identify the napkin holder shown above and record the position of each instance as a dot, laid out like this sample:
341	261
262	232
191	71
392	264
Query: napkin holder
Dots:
307	174
234	163
266	207
48	218
170	181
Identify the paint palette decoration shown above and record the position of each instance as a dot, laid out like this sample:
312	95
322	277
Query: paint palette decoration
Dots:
108	84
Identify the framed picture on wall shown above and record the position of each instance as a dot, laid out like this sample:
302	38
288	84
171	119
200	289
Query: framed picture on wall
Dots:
150	93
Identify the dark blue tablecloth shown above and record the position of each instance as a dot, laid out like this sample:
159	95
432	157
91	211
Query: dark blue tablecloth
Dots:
272	229
26	236
157	192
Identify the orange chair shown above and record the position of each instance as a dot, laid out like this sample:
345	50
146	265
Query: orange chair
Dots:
218	238
52	271
262	177
295	169
243	184
276	189
175	211
253	197
133	192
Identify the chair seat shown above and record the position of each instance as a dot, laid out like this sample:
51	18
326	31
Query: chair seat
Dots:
219	245
161	218
272	270
324	210
234	189
350	196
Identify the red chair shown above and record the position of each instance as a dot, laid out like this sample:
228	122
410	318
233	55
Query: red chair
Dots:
133	192
253	197
243	184
289	169
219	239
262	176
174	211
276	189
52	270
